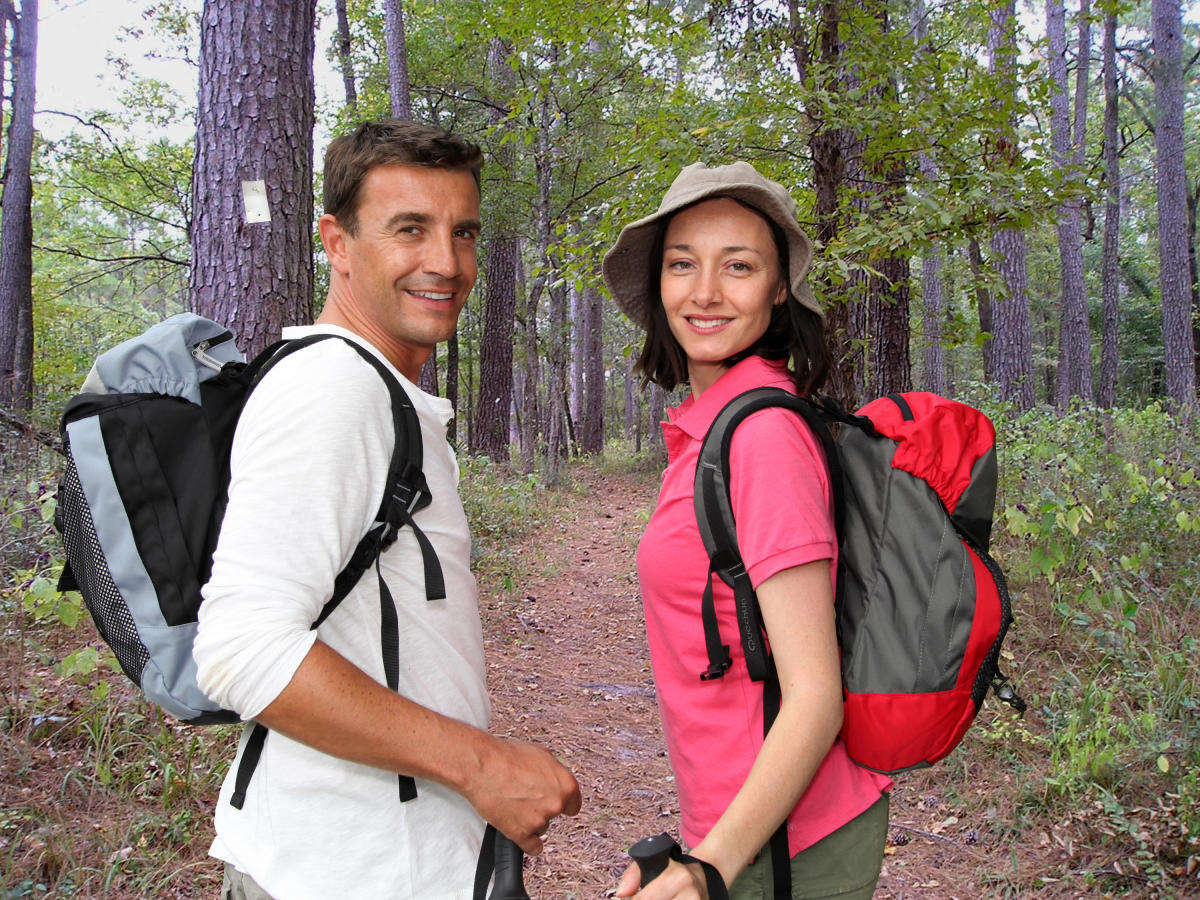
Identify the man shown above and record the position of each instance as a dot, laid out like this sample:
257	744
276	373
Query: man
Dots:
322	816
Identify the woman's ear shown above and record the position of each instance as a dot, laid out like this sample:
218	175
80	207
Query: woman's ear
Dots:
781	294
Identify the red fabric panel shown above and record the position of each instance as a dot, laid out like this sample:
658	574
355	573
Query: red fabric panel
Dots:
941	444
881	733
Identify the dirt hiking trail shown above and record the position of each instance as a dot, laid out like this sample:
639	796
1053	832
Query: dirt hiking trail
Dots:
568	667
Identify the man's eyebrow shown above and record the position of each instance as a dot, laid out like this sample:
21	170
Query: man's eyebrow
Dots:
420	218
405	217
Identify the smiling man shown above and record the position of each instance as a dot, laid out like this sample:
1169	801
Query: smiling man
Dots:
322	816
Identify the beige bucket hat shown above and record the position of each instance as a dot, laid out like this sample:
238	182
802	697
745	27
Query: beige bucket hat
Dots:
627	265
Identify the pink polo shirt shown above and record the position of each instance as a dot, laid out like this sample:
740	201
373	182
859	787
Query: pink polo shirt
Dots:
782	504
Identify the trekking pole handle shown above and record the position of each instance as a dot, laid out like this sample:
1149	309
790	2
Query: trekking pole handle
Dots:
652	855
509	882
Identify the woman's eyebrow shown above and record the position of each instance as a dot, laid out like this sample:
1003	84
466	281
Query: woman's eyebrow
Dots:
733	248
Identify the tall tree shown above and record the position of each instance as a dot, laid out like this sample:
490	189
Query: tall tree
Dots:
346	57
1106	393
1174	270
490	431
16	229
251	235
1074	351
591	430
399	88
1012	339
933	317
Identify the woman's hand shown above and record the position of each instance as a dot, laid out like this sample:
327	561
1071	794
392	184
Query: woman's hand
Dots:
678	881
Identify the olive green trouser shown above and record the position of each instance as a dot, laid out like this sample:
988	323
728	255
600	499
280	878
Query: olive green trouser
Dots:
844	865
240	886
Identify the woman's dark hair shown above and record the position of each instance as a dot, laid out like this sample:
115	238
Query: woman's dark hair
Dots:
795	333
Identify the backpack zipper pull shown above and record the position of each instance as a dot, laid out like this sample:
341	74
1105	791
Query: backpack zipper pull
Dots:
1004	692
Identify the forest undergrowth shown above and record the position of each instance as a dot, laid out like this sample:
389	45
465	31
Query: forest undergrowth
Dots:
1094	792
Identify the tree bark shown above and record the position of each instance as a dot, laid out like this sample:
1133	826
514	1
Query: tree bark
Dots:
345	56
254	123
983	306
1167	70
452	384
1074	348
490	433
16	229
592	431
933	316
1012	343
1110	278
399	88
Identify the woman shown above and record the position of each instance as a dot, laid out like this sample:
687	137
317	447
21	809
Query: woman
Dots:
716	278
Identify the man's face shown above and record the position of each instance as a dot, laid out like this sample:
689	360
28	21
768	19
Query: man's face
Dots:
411	264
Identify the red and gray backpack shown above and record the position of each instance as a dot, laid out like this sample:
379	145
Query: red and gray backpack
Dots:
922	608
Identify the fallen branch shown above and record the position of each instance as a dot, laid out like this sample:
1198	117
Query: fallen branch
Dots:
18	424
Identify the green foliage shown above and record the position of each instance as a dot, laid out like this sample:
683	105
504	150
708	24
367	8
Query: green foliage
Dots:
501	505
1099	537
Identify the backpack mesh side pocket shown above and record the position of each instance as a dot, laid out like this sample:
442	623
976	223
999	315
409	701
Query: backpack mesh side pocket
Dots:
100	595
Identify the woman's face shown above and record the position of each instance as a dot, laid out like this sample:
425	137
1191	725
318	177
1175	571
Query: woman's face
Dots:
720	278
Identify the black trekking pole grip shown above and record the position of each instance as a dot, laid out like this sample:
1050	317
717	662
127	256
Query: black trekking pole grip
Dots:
509	883
652	855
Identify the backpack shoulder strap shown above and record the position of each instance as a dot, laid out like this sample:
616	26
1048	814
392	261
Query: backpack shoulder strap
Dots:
718	530
405	492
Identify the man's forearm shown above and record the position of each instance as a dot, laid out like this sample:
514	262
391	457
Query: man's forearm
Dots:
332	705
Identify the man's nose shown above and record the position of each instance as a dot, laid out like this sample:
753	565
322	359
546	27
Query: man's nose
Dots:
440	256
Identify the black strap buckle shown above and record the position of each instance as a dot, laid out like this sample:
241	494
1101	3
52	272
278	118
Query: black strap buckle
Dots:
718	668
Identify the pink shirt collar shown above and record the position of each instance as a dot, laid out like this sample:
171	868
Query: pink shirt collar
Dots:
691	419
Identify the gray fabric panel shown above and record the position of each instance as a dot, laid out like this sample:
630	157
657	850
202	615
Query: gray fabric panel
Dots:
974	511
160	360
129	575
902	626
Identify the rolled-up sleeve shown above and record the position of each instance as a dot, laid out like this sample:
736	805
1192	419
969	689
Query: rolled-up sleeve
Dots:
780	494
301	496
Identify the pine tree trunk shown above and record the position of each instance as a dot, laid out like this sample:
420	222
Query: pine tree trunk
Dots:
16	229
345	56
1167	70
1110	278
530	407
490	433
1074	349
934	368
1012	343
254	124
983	306
592	431
399	88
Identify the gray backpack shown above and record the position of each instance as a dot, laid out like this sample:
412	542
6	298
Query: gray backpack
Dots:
142	498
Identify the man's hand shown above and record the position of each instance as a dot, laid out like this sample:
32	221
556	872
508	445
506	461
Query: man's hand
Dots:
519	788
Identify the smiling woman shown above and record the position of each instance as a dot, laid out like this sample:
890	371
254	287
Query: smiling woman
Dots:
717	279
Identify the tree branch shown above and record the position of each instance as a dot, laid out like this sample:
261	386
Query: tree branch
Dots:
18	424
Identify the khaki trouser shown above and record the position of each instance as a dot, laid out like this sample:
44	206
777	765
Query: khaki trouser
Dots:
844	865
240	886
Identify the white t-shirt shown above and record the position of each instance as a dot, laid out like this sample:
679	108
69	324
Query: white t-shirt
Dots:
307	471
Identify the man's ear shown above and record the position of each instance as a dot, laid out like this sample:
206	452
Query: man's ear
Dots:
334	239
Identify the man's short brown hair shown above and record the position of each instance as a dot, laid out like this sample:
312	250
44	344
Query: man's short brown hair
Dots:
388	142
